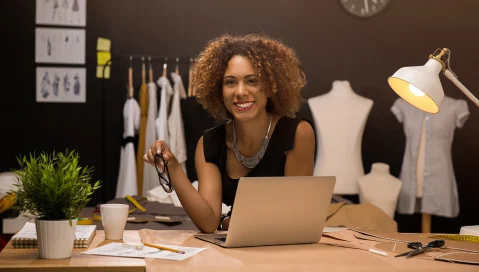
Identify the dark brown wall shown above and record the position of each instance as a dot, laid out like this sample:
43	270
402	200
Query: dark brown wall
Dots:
331	45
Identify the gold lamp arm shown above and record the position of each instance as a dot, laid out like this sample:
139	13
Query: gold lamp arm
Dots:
439	54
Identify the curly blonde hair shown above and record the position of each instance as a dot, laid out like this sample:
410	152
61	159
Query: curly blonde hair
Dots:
275	64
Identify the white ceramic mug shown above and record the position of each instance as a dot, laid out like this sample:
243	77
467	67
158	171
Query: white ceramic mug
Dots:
113	218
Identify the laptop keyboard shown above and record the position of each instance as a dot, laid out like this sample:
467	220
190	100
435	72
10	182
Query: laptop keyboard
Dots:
223	239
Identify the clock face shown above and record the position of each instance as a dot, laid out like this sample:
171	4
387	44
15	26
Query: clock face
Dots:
364	8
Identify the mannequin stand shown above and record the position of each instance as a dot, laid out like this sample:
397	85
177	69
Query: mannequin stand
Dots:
426	223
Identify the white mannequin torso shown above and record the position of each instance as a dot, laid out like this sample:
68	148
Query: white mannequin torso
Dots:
380	188
340	116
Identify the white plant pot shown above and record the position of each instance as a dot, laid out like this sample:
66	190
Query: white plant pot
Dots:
55	238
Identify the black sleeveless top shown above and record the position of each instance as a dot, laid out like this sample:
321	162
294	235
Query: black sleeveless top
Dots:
272	164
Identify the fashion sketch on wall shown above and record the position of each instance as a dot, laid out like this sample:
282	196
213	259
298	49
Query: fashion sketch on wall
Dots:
61	85
59	45
61	12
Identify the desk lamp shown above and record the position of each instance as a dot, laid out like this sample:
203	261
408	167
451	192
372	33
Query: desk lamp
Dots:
420	85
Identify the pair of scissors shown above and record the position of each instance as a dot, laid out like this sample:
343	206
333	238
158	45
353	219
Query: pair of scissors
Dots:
418	248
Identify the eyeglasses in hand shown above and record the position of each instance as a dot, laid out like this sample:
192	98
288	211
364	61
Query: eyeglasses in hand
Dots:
164	181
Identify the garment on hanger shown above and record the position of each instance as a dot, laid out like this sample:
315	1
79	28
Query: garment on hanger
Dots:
161	124
439	192
176	129
143	97
150	177
127	183
162	121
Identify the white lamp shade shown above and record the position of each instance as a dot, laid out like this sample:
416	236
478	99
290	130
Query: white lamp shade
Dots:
426	92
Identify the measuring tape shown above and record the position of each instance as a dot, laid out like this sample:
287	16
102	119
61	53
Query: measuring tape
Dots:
457	237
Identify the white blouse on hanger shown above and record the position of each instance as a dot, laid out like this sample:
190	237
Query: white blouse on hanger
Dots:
162	120
150	177
127	180
176	129
157	193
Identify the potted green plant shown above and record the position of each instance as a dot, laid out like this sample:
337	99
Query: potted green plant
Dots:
53	189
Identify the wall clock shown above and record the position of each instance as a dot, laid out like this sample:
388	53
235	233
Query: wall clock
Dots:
364	8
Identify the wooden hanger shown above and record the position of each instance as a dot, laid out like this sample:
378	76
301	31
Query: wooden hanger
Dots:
190	91
143	71
130	79
164	67
150	70
193	89
177	68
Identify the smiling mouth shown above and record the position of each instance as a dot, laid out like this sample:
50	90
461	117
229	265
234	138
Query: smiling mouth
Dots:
243	106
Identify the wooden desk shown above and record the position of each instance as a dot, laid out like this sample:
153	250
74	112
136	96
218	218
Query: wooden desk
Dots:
12	259
311	257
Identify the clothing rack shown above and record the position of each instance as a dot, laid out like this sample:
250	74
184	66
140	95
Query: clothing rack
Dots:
169	59
130	57
165	60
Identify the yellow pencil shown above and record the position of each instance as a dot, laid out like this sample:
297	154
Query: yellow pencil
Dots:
165	248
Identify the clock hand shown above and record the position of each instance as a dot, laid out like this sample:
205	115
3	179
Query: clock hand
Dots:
366	6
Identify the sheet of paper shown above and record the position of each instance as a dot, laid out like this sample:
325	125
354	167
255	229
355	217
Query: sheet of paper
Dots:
65	84
120	250
332	229
29	231
103	57
65	12
84	231
99	71
59	45
103	44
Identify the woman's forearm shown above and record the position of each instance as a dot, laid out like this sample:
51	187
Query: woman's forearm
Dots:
197	208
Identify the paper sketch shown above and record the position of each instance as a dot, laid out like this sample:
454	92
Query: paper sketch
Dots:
61	85
61	12
119	250
59	45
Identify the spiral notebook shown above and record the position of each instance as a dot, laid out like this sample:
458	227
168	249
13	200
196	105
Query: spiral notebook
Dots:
27	236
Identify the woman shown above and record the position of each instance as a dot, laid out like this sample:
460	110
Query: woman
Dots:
254	83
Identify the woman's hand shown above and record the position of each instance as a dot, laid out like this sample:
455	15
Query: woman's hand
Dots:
160	147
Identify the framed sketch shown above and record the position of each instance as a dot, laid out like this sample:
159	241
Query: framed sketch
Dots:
55	84
61	12
59	45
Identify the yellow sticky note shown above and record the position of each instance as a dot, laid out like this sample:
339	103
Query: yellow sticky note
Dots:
103	73
103	44
99	71
107	72
102	57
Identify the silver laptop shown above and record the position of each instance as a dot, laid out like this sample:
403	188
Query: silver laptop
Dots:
277	211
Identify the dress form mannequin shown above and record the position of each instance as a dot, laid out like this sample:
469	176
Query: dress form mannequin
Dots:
340	116
427	171
380	188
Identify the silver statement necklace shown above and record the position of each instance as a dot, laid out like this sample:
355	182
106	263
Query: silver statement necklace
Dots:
251	162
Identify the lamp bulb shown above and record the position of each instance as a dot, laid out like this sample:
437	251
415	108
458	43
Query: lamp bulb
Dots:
415	90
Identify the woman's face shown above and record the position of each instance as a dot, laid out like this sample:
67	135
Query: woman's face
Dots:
242	94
